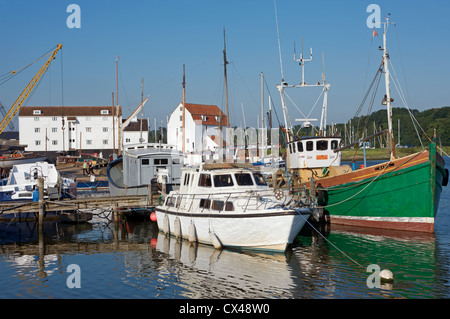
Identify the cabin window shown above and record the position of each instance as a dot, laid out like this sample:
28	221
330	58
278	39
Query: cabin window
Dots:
309	146
299	146
259	179
229	206
334	144
160	161
243	179
223	180
290	148
293	147
145	161
205	203
218	205
170	201
322	145
186	179
204	180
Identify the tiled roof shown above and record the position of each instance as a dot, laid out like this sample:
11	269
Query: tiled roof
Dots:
66	110
210	111
136	126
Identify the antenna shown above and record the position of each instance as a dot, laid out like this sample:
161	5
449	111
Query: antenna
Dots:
302	61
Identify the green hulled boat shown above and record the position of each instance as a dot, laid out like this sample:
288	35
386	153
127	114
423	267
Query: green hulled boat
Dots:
402	193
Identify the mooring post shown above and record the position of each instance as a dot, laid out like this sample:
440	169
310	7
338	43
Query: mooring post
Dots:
41	200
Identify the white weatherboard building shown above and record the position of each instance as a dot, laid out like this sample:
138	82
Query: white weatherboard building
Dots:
69	128
201	130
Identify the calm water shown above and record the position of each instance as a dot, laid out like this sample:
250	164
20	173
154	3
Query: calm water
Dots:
132	260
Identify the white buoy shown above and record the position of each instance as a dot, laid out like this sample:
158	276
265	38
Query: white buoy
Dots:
215	241
166	228
192	233
386	275
177	228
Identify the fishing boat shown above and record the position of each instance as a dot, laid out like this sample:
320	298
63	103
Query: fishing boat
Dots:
7	161
132	173
230	205
401	193
22	182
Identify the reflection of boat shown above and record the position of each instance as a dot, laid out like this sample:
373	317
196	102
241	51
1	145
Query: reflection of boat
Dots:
132	174
402	193
230	205
7	161
22	182
205	272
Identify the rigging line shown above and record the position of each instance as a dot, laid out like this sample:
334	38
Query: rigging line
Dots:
340	250
62	79
278	37
401	60
402	97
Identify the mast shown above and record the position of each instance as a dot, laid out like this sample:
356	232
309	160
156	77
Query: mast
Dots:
142	109
184	107
225	62
387	99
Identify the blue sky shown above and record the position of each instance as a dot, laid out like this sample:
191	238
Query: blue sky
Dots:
155	38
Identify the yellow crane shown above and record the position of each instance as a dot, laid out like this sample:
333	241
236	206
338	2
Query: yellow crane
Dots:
23	96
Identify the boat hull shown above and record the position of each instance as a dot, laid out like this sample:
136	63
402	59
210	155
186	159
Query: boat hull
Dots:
272	231
402	194
7	163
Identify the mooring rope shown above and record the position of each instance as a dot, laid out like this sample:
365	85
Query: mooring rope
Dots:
340	250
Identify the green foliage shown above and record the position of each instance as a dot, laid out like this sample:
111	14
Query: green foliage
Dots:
435	118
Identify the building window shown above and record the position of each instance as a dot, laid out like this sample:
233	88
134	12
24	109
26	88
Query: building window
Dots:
54	118
88	129
54	142
36	118
88	142
104	112
54	130
37	130
105	129
105	142
37	142
36	112
88	118
204	118
128	140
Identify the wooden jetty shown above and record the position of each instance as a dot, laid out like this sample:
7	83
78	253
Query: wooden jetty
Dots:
115	202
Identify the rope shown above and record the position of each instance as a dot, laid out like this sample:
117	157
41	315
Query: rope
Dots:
340	250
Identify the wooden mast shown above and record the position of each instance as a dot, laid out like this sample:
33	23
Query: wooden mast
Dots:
225	62
184	108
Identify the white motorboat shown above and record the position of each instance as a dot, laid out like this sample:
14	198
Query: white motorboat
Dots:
22	182
231	205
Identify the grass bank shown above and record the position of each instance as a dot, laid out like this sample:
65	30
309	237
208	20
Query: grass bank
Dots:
382	154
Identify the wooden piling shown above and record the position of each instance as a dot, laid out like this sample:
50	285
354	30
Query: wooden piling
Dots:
41	200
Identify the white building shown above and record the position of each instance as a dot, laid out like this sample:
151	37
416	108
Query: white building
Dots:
136	132
201	130
69	128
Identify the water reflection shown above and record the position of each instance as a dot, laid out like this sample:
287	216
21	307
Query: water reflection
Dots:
132	259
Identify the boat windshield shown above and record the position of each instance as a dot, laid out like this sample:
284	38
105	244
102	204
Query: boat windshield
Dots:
259	179
223	180
243	179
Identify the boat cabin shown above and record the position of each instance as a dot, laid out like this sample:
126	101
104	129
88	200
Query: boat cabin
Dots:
143	162
314	152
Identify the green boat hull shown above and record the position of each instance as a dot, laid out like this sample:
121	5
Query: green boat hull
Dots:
402	198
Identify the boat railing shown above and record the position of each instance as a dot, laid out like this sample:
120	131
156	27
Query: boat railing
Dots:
224	201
